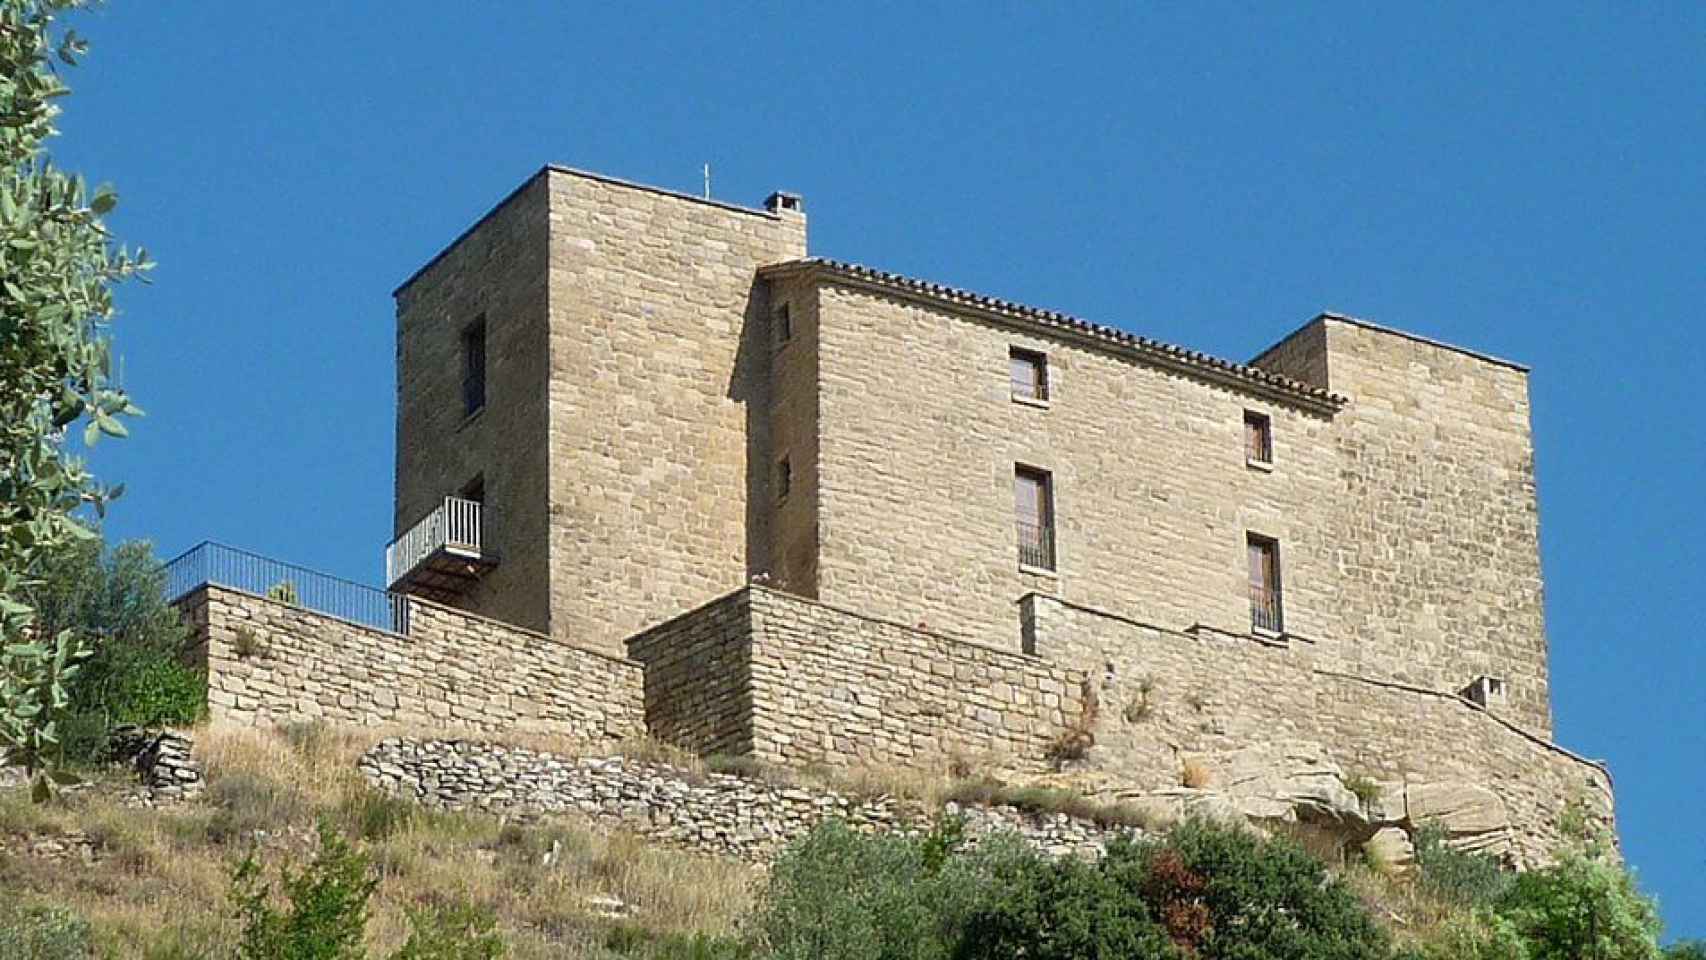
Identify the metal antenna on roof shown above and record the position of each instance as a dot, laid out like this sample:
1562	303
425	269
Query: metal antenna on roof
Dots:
707	181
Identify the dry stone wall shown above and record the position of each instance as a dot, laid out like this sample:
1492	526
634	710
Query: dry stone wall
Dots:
270	662
713	813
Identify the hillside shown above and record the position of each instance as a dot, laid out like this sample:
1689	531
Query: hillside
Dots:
154	879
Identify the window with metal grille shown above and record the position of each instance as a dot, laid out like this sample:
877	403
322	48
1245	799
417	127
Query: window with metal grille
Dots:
1266	615
1258	438
1033	504
1029	373
474	366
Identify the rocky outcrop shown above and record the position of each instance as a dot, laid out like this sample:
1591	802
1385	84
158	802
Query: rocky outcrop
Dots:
1295	782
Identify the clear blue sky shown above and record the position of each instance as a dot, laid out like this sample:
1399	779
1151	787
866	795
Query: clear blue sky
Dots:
1526	183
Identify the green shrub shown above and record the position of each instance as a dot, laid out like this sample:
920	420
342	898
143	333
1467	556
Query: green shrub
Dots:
1686	950
1454	876
1058	909
137	674
326	912
459	930
840	895
1363	788
1473	935
1582	906
1228	893
42	933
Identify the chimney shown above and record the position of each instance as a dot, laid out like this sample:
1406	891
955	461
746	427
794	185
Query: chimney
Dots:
786	204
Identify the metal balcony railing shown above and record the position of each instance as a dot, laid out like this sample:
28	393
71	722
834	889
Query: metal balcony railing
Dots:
456	527
1265	613
1036	545
220	565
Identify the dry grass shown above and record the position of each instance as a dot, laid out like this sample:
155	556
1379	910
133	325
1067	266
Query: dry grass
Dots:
163	876
1195	775
1045	800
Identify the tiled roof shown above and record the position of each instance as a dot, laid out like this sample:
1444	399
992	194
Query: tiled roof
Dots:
1057	323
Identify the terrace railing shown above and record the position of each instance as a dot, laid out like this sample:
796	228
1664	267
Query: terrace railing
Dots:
220	565
455	526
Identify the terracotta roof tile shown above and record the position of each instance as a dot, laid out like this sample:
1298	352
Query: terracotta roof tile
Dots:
1053	321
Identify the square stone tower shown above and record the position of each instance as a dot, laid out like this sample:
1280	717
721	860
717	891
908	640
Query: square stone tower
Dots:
577	394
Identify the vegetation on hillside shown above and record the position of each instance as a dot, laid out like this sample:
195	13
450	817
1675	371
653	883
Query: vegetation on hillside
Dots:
292	855
113	599
58	266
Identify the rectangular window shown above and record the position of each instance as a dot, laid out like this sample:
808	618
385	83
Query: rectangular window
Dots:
474	367
784	479
1265	610
784	325
1033	507
1258	438
1029	373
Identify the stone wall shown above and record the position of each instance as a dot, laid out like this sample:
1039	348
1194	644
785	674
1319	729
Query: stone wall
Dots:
790	680
1435	525
1168	698
660	358
787	552
497	270
713	813
270	662
698	677
1406	521
1153	499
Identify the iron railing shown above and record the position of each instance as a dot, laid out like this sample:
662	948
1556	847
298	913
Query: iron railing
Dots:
456	525
1036	545
1265	614
220	565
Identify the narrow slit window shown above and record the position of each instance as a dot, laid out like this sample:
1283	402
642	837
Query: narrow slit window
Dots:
1033	503
784	479
474	367
1028	371
1258	438
784	325
1266	614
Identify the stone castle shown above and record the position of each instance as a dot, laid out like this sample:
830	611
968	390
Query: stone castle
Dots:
661	471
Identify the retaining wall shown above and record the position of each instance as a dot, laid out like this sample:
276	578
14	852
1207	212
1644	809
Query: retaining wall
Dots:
269	661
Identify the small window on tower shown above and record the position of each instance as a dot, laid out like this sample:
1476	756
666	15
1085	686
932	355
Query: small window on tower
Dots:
784	325
1258	439
1029	375
474	367
1265	610
1033	507
784	479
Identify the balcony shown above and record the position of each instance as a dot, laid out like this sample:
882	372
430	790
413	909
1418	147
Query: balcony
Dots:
443	555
